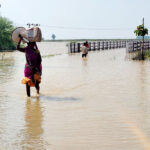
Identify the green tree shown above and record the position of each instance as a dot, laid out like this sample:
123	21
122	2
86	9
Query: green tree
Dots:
6	28
141	31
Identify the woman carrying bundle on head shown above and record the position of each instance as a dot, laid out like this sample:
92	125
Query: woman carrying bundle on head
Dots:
33	66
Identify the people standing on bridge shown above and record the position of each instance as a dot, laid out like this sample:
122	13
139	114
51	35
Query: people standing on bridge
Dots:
84	49
33	66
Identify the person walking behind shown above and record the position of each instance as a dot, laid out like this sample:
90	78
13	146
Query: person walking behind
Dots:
84	49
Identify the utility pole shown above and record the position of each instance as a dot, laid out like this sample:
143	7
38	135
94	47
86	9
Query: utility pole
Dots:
32	24
28	24
142	50
36	25
143	29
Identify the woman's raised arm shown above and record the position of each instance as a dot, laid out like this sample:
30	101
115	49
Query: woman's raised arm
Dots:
18	46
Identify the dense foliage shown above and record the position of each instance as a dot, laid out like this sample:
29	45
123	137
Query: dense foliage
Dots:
6	28
141	31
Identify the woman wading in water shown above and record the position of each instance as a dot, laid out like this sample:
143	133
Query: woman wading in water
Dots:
33	67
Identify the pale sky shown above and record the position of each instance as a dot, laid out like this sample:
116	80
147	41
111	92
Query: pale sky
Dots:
79	18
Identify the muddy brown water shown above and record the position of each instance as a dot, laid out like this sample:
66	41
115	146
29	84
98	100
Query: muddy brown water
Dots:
101	103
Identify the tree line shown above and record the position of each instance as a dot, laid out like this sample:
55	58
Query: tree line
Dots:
6	28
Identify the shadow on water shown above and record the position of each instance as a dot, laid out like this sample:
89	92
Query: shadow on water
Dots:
55	98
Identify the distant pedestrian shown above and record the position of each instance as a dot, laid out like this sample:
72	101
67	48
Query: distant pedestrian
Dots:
84	49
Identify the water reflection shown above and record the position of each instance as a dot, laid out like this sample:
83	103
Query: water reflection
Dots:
34	131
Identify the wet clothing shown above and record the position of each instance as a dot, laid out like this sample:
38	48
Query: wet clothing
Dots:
84	55
33	66
84	51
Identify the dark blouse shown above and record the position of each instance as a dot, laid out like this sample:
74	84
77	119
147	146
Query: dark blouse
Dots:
33	57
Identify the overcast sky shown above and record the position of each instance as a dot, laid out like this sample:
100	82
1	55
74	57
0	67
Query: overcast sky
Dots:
79	18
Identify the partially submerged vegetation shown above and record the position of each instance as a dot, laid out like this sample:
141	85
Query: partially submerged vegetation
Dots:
138	56
141	31
147	54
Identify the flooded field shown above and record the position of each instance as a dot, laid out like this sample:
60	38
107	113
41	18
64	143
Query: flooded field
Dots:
101	103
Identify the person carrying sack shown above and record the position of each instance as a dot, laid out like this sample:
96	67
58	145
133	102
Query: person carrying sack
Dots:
33	66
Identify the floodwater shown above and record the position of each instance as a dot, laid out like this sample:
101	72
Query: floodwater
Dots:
101	103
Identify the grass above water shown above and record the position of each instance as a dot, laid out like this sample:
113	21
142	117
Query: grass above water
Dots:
138	55
147	54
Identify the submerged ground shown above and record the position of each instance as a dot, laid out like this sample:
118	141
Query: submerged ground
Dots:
102	102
